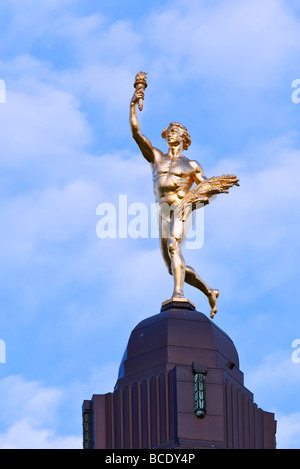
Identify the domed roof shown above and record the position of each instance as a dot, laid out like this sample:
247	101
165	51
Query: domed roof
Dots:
178	335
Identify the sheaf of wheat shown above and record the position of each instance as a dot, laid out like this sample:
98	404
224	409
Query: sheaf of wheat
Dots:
203	191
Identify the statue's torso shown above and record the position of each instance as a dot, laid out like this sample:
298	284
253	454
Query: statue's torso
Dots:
172	178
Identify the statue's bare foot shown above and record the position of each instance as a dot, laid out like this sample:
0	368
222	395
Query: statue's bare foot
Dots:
212	298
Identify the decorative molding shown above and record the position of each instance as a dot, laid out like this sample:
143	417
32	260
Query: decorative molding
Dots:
199	394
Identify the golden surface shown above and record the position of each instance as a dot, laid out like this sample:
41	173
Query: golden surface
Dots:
183	300
173	178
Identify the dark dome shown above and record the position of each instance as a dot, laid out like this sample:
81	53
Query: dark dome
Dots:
177	335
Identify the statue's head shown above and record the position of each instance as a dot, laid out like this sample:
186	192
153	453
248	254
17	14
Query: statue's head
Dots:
177	131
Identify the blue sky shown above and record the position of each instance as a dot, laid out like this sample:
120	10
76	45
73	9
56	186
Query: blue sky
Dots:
69	300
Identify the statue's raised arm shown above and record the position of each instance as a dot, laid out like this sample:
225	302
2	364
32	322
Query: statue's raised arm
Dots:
144	144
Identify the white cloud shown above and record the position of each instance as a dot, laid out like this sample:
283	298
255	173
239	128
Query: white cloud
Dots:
244	58
242	42
29	412
264	199
22	435
274	369
274	382
288	431
113	43
25	28
30	400
257	220
40	123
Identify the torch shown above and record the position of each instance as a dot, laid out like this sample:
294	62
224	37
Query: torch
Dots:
140	84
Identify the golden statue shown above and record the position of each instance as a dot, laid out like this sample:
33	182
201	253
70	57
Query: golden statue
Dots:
173	178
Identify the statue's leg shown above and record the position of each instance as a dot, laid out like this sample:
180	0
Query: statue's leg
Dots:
193	279
177	261
164	233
